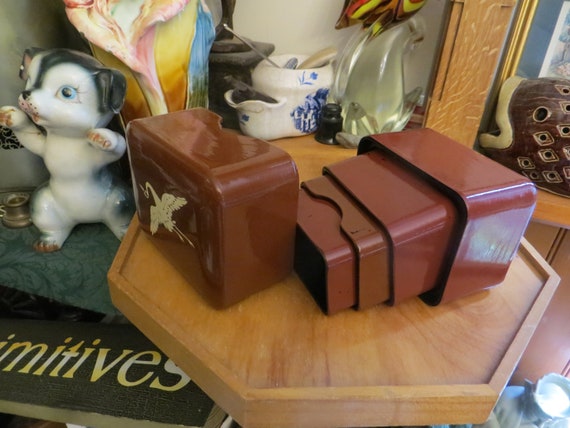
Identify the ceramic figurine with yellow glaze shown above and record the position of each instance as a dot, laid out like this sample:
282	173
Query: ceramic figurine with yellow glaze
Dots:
69	98
161	46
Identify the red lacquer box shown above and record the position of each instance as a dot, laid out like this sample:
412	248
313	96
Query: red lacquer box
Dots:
449	220
228	197
353	249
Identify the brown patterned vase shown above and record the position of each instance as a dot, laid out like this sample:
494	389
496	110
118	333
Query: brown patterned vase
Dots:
533	116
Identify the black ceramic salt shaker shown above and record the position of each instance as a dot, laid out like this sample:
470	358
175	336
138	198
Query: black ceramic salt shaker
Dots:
330	124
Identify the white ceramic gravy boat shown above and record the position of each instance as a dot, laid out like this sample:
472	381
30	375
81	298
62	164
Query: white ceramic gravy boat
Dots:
300	95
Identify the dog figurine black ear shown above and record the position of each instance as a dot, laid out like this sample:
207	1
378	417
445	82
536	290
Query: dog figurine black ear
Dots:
113	87
68	99
29	54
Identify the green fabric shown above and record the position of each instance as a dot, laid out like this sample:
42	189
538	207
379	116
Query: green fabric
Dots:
76	275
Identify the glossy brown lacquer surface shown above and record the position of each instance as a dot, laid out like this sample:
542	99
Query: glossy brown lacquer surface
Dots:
341	253
430	216
419	220
274	359
494	206
229	198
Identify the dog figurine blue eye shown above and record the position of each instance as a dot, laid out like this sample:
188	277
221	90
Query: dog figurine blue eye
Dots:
68	92
68	100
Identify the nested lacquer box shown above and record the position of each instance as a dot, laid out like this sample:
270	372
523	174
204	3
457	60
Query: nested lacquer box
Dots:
435	219
228	197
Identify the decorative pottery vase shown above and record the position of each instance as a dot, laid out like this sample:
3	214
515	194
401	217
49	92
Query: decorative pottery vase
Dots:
161	47
534	137
301	94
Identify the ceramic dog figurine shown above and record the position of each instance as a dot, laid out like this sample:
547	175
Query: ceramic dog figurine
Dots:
69	98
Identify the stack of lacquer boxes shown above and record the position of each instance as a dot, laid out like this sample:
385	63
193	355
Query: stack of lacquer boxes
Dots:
412	214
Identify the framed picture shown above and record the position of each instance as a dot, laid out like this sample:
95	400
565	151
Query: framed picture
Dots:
556	61
540	40
538	45
535	47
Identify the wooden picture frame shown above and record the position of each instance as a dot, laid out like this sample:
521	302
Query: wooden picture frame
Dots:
471	52
534	40
556	61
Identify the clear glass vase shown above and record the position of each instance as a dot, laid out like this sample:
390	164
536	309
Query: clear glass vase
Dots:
369	79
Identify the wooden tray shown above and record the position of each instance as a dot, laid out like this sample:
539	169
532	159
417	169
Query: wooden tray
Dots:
276	360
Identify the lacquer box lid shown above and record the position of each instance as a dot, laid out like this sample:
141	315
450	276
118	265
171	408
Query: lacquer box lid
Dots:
448	219
231	198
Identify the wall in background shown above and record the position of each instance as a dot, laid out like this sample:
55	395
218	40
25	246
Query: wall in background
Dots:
24	24
303	27
29	23
293	26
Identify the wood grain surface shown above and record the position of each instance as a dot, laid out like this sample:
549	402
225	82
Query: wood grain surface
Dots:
276	360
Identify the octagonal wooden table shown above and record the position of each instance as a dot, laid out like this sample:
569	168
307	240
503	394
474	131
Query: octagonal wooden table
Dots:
275	360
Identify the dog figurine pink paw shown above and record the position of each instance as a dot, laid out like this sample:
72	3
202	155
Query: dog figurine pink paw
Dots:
69	98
